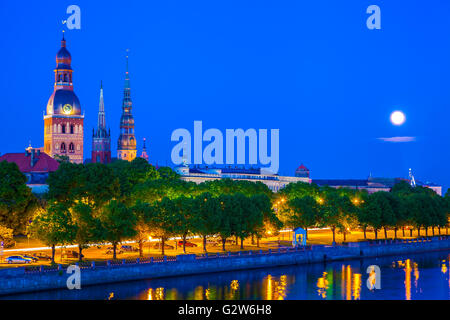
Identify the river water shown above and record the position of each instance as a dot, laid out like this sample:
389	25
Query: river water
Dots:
409	277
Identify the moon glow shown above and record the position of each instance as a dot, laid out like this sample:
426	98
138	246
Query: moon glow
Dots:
398	118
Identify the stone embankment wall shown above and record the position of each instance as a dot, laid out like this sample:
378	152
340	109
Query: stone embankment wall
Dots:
19	280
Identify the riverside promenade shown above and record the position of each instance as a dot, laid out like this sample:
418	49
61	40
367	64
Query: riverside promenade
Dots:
38	278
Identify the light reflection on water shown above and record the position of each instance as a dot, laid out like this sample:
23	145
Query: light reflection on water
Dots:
421	276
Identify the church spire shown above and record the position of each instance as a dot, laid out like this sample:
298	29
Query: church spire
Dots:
63	41
101	110
101	138
144	152
126	146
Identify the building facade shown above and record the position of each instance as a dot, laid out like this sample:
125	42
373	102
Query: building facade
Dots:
101	138
126	146
372	184
273	182
35	165
302	171
63	121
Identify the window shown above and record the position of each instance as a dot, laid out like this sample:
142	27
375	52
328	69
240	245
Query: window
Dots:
71	148
71	129
63	127
63	147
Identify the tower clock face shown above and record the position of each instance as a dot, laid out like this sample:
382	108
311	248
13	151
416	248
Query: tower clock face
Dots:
67	109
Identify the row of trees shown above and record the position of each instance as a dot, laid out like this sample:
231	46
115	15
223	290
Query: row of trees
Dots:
305	205
98	203
17	203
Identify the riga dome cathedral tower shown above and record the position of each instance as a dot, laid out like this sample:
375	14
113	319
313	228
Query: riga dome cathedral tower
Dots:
63	121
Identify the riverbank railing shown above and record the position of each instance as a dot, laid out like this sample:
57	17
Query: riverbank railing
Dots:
227	255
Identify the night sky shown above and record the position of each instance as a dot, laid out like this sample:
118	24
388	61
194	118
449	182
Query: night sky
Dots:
309	68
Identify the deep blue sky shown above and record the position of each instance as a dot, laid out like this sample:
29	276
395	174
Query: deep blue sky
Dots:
310	68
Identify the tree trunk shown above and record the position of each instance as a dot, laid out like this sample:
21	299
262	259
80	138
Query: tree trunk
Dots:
242	243
403	231
439	230
204	244
345	237
163	244
385	232
253	239
141	248
53	254
395	232
184	243
376	233
365	236
257	241
418	231
80	250
334	234
114	250
410	232
306	231
237	240
224	240
432	230
426	232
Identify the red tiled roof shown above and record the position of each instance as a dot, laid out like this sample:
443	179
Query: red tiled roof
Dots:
44	162
302	167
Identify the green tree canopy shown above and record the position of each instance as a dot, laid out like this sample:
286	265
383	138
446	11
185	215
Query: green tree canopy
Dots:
53	226
119	223
17	203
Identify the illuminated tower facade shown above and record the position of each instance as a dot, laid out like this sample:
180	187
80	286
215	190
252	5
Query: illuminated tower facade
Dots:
126	146
101	138
63	121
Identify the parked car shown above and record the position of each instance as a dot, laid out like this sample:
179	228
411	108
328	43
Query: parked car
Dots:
34	259
74	254
18	259
188	244
158	246
110	250
42	256
129	249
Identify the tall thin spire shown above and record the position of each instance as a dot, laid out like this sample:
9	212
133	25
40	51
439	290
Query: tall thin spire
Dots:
126	147
63	41
144	154
101	110
101	138
127	74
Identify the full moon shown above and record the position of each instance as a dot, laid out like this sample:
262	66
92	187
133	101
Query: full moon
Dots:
398	118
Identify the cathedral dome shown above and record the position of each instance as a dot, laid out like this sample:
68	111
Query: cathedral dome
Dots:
63	53
63	102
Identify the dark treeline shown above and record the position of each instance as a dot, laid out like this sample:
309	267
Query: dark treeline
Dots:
96	203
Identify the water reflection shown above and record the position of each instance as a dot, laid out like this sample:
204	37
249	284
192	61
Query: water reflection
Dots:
424	276
322	285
